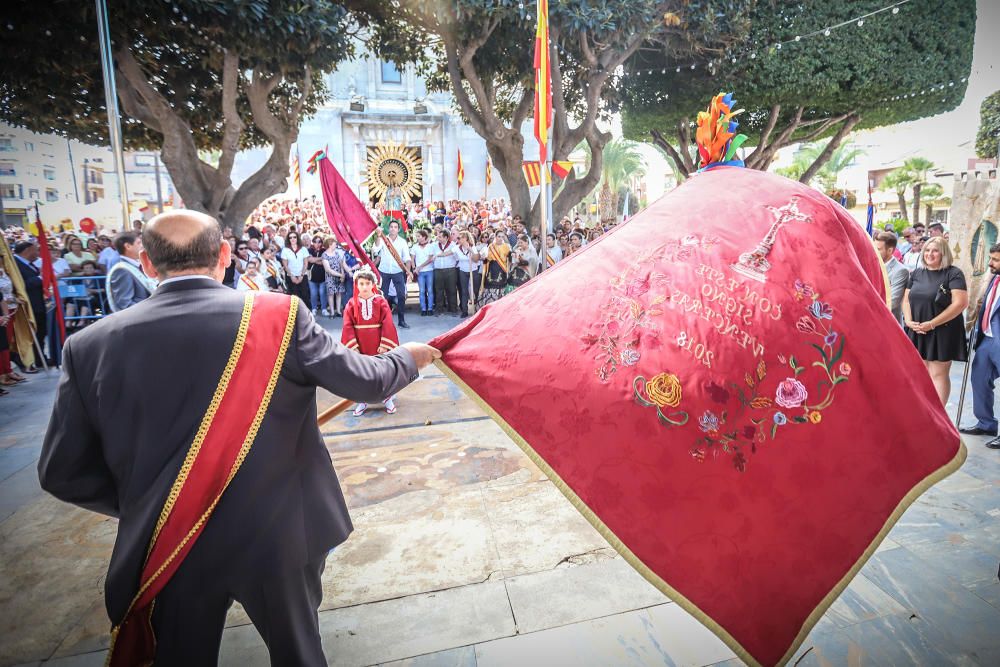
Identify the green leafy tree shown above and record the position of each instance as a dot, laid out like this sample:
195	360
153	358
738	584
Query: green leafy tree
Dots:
482	51
841	158
931	196
989	127
891	69
194	78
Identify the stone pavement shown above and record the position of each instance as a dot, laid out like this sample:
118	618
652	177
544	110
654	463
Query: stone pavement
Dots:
464	554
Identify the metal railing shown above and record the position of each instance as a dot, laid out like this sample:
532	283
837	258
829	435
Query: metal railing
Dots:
84	294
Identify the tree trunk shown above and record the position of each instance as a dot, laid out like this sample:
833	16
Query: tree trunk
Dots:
916	202
824	157
929	213
901	195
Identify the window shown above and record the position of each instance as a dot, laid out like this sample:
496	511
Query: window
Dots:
29	146
7	169
9	191
33	194
144	160
49	174
6	145
51	195
390	74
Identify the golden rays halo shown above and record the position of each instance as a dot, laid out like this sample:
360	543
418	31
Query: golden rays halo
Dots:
394	164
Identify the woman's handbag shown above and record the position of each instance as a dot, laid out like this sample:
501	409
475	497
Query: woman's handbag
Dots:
943	298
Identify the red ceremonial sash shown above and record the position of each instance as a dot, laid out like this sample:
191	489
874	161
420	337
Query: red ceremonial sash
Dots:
493	255
220	446
249	282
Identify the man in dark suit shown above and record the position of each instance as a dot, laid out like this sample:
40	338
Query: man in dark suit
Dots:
127	285
986	362
25	254
134	390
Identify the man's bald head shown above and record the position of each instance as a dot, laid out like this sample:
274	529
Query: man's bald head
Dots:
182	241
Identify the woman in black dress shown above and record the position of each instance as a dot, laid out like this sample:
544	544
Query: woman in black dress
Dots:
933	304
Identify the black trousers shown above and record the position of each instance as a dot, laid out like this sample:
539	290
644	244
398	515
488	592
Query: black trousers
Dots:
463	291
190	614
446	290
301	290
399	280
477	284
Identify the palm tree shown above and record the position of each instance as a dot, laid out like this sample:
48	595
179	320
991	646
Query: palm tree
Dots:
932	195
622	163
842	157
898	180
919	169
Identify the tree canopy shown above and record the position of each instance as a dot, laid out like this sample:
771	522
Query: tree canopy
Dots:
218	75
483	50
989	127
798	83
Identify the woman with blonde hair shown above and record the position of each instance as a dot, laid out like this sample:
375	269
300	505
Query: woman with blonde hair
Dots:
933	303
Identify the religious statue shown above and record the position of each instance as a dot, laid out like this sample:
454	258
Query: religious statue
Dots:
394	193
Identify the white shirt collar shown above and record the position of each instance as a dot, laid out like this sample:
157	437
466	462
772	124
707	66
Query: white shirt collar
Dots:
178	279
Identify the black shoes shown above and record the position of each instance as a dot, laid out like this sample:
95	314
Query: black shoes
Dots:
404	325
994	443
975	430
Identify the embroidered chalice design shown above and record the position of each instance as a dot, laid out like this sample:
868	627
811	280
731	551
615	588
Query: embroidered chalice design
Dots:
754	264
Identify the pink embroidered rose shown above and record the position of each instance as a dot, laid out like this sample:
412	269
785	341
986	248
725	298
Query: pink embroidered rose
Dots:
845	368
629	357
790	393
806	325
637	287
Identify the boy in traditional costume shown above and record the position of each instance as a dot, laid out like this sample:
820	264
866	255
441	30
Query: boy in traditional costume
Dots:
368	326
251	280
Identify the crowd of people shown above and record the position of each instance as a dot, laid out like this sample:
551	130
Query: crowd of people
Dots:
459	254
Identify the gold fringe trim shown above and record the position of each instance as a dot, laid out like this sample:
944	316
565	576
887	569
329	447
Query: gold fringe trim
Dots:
662	585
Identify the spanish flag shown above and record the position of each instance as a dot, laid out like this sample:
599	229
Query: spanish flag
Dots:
532	173
561	168
461	169
543	93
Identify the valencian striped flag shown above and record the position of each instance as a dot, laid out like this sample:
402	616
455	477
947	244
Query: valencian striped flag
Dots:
532	173
489	171
461	169
295	170
543	93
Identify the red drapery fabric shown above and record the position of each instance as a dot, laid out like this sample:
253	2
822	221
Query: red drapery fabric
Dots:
732	405
347	216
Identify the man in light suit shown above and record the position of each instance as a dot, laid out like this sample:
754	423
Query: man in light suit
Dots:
885	242
122	427
986	362
127	284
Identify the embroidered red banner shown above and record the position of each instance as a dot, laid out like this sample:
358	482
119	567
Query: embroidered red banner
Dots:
732	405
223	440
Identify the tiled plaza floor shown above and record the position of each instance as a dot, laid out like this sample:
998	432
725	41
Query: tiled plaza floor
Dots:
465	554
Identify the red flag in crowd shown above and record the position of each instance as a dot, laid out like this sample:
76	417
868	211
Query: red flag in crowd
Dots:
347	216
460	173
709	407
49	283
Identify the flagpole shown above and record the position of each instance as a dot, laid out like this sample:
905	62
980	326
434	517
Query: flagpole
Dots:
111	104
298	162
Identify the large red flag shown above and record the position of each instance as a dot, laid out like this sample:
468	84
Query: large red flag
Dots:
49	283
347	216
714	407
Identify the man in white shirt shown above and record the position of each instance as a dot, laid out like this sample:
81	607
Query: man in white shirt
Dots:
423	265
391	270
899	276
914	258
445	275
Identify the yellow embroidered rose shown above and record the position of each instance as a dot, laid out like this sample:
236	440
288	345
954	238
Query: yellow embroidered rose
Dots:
664	390
815	417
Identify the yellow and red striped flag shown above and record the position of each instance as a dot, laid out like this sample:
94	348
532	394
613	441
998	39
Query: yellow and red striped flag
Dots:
489	171
461	169
295	170
561	168
543	92
532	173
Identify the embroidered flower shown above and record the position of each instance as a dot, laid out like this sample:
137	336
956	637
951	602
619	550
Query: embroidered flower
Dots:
790	393
830	339
815	417
803	291
629	357
637	287
780	419
664	390
845	368
749	432
717	392
690	239
806	325
821	311
709	422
